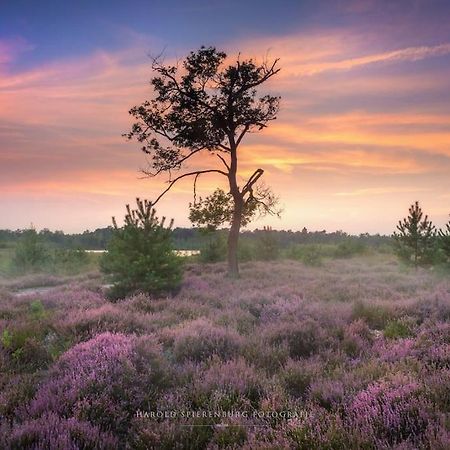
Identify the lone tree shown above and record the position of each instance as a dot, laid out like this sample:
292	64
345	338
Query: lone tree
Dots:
206	104
444	241
415	236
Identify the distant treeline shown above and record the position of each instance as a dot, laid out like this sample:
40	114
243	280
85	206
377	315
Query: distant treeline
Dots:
192	239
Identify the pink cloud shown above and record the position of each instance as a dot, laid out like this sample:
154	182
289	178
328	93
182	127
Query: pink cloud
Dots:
61	125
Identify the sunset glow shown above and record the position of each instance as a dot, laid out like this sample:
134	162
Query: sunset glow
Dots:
363	130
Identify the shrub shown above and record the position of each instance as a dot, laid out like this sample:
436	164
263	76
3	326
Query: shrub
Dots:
85	324
140	255
303	338
296	376
312	256
53	432
104	380
246	250
349	248
198	340
16	391
319	430
357	338
267	247
268	357
30	253
228	385
70	260
377	316
189	434
390	412
214	249
327	393
26	346
444	242
397	329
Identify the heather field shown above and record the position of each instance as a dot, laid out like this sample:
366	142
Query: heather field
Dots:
352	354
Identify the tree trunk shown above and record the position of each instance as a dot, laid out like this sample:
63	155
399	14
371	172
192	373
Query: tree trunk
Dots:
233	239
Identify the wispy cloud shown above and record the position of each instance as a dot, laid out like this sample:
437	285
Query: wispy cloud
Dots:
61	125
11	48
379	191
404	54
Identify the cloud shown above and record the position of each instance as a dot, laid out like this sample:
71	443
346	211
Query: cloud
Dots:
61	125
11	48
405	54
379	191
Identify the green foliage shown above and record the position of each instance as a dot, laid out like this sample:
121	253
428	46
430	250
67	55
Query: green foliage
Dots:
267	247
246	250
6	339
215	247
375	315
34	254
70	260
217	209
30	254
140	255
413	243
310	254
33	343
349	248
397	329
37	310
444	242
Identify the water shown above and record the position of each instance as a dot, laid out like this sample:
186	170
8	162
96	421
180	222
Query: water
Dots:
177	252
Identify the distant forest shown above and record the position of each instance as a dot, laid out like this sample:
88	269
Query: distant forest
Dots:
192	238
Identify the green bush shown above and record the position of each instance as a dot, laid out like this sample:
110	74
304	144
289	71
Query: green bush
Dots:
312	256
397	329
349	248
443	244
246	251
70	260
140	255
214	249
309	254
267	246
375	315
30	253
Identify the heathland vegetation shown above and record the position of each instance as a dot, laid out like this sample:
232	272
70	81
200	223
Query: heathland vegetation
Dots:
350	354
320	340
332	341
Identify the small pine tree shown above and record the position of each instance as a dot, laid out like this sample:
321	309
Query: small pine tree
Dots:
30	254
267	247
444	241
415	237
214	248
140	255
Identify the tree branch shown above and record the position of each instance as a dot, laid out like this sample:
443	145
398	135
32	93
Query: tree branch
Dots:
223	160
196	173
252	180
239	139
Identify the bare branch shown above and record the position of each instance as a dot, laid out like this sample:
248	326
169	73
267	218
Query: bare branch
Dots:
252	180
239	139
196	173
269	72
223	160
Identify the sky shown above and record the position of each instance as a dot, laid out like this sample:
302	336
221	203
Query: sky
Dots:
363	129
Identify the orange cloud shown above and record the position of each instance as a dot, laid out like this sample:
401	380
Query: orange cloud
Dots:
60	126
